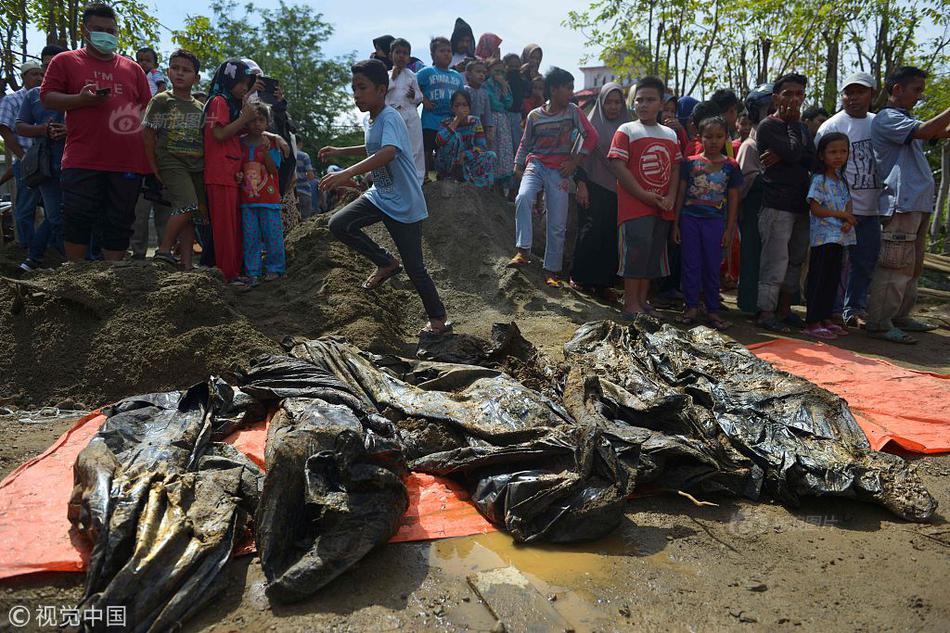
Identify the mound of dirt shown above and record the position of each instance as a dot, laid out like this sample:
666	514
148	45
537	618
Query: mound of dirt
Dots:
98	332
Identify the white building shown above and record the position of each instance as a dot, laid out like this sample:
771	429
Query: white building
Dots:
597	76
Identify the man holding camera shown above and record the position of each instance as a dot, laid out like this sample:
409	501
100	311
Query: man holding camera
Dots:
104	96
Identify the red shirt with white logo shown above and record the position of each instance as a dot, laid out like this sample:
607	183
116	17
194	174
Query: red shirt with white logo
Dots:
108	136
652	155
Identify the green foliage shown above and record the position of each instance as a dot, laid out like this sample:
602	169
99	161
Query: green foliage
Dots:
700	45
287	42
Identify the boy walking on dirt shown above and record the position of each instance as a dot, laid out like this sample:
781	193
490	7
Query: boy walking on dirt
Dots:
645	156
395	198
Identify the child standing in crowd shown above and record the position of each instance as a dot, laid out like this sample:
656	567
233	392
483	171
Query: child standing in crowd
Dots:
462	149
831	231
595	251
518	88
645	155
531	58
382	49
475	74
463	44
545	162
728	104
438	83
499	99
707	180
405	96
261	221
225	116
488	48
395	198
172	134
534	99
147	58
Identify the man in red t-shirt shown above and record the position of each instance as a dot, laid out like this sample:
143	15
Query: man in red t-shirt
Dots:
646	157
104	96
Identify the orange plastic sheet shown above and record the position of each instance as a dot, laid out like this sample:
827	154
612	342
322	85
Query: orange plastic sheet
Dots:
892	404
35	534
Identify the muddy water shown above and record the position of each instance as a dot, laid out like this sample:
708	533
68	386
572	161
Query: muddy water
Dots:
569	576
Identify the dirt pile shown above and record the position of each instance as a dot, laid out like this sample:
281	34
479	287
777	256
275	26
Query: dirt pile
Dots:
99	332
96	333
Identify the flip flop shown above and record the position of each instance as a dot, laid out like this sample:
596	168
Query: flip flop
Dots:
718	324
837	330
373	282
552	282
519	260
686	320
893	335
427	331
822	333
165	258
773	325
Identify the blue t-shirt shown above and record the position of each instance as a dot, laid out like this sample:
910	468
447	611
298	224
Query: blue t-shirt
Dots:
396	189
834	196
438	86
304	164
908	180
32	112
706	191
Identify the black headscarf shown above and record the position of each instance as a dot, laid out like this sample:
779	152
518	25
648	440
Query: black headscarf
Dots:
229	74
462	29
383	43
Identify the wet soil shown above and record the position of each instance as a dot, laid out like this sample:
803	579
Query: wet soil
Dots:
91	335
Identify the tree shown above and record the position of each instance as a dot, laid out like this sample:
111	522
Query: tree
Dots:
59	20
707	44
287	42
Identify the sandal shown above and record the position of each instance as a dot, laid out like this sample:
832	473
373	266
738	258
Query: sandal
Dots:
378	278
893	335
820	332
837	330
552	282
718	324
687	319
520	259
272	276
773	325
165	258
429	331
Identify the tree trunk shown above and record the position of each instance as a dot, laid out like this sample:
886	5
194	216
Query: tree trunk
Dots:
656	53
830	96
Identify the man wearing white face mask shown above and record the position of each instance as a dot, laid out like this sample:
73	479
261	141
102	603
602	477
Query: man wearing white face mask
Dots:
104	96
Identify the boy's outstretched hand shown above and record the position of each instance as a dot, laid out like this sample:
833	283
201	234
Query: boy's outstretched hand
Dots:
334	180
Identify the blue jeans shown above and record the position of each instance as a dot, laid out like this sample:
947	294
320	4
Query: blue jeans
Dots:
50	232
537	177
24	214
862	258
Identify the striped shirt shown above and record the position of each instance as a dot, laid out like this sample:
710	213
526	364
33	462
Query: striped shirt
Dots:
549	138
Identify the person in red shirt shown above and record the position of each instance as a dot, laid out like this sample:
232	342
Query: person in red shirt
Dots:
104	96
645	155
226	114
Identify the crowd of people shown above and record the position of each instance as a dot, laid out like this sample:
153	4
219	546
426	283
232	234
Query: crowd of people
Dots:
674	195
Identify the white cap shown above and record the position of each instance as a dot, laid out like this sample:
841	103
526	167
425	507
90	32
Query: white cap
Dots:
26	67
862	79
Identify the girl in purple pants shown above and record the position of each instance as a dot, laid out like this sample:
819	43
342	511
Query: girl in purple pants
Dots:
707	204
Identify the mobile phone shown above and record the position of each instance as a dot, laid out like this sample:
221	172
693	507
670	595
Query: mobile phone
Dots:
103	91
267	93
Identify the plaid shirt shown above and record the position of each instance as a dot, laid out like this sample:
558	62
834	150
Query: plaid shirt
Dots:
10	111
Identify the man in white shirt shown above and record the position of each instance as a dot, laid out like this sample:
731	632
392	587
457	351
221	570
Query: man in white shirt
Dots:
865	185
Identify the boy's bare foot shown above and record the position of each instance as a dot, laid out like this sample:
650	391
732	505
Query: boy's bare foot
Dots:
379	277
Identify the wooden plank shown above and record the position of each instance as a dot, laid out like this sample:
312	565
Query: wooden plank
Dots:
516	603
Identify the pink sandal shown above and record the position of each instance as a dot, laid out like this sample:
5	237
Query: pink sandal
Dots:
820	332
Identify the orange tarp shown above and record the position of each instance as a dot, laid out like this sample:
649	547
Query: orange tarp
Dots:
35	533
891	403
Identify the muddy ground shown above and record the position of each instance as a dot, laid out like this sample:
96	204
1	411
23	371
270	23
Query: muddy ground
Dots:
79	338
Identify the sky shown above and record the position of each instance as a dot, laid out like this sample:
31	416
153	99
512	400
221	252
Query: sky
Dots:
357	22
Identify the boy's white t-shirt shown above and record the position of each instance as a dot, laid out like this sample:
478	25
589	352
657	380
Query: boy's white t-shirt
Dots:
861	169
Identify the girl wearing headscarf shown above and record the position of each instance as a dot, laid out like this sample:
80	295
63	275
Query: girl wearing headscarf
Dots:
225	115
489	47
463	43
595	251
531	61
381	47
